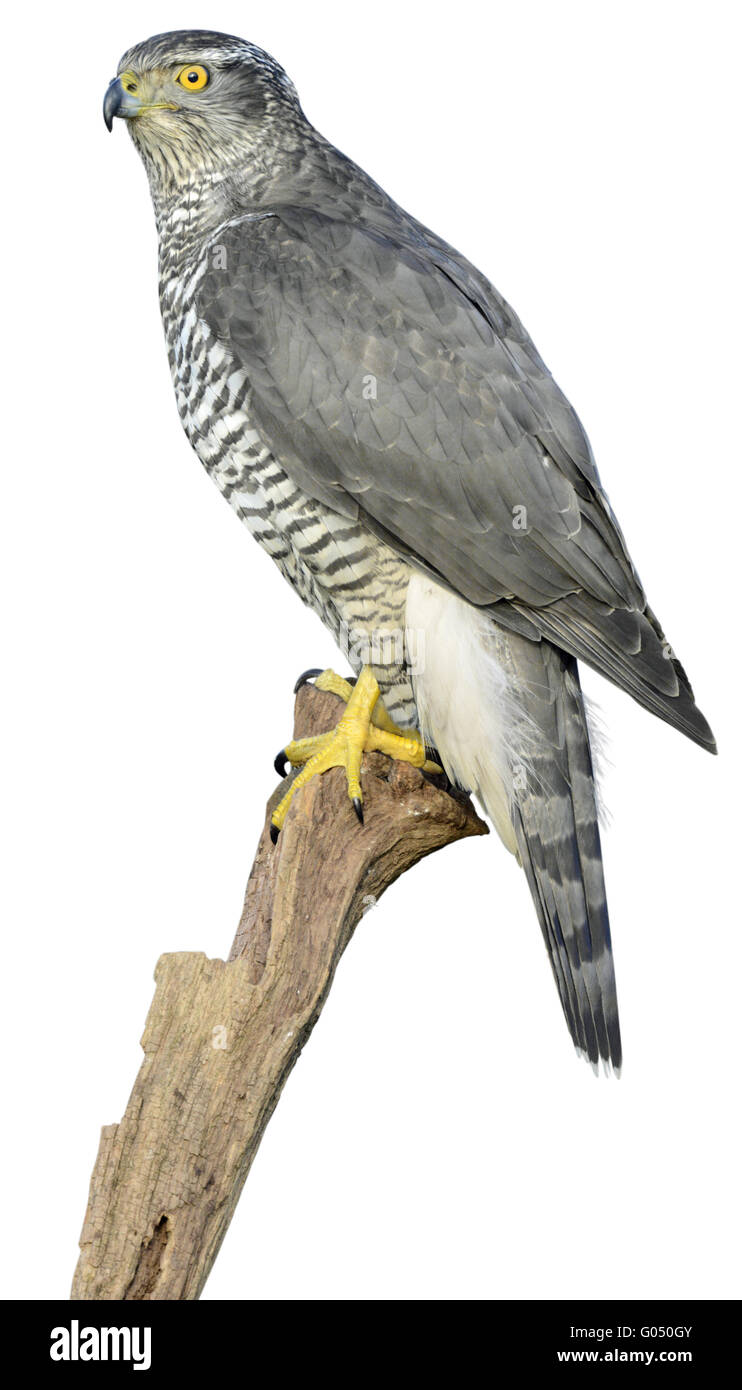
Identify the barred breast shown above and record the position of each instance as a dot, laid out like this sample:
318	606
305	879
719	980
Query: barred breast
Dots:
355	582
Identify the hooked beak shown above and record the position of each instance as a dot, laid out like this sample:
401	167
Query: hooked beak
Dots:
121	100
117	102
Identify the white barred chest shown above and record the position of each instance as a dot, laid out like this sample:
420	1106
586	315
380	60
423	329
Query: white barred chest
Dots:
356	583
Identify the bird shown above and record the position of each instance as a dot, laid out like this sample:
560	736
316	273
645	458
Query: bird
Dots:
378	417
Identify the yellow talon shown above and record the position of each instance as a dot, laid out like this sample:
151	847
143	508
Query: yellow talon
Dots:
330	680
364	727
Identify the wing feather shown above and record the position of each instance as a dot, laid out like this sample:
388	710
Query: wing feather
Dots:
395	385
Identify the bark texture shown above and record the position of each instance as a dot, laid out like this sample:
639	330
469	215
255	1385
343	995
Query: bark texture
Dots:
222	1036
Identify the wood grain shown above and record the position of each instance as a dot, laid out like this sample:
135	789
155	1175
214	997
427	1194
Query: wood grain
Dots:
222	1036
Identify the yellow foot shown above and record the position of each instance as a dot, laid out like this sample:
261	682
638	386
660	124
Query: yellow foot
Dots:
364	728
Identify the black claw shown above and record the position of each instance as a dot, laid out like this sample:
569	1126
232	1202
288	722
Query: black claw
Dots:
275	832
307	676
281	762
358	808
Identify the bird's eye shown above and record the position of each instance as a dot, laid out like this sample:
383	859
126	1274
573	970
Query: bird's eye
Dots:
194	78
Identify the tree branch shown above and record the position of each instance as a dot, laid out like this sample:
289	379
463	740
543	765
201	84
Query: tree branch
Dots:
222	1036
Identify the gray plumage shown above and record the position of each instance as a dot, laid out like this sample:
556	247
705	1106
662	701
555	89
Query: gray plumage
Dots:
376	413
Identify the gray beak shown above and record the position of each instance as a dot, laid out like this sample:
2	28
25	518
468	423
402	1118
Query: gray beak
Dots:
118	102
112	101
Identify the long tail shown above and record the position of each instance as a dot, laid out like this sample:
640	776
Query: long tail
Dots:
507	717
555	819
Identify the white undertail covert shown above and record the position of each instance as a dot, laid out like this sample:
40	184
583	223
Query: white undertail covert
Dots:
463	699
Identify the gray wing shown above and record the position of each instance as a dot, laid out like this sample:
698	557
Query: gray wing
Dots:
395	385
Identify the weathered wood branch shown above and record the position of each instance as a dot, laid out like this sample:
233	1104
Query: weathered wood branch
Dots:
222	1036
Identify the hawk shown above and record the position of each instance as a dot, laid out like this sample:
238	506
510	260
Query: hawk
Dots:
377	415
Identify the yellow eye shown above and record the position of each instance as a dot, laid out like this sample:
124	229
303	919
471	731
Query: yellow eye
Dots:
194	78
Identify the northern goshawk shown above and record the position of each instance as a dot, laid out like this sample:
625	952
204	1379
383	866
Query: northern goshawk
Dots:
378	417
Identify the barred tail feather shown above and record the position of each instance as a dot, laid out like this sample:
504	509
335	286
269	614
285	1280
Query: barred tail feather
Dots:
556	826
508	719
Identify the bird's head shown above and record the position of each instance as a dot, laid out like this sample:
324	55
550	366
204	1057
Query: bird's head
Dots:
197	102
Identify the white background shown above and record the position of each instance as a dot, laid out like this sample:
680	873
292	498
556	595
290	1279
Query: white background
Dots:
438	1138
